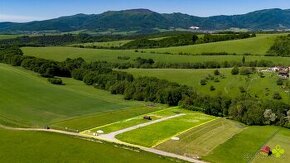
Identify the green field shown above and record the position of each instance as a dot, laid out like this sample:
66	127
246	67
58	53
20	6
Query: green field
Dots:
20	146
156	133
136	120
243	146
258	46
201	140
29	99
105	44
3	37
62	53
100	119
228	86
282	138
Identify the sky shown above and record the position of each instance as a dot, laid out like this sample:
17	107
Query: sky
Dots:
30	10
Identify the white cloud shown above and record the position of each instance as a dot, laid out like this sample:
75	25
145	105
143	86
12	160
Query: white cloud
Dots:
17	18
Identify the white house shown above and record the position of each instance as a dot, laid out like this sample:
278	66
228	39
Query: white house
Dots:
194	27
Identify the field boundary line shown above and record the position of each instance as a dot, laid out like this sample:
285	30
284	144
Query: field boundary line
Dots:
126	119
164	140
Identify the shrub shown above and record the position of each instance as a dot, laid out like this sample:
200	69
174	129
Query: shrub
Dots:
246	71
203	82
212	88
235	70
216	80
56	81
277	96
216	72
279	81
242	89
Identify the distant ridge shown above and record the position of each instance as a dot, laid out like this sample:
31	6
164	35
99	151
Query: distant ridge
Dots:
144	19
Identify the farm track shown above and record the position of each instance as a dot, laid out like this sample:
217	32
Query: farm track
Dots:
112	135
151	150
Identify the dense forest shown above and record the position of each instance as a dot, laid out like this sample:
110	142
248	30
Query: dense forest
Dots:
245	108
281	47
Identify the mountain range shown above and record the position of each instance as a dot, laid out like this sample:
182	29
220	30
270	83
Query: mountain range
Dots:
144	19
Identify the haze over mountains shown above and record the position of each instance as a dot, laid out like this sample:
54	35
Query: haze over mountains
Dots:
144	19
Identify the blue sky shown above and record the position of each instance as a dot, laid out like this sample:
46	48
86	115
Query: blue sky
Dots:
28	10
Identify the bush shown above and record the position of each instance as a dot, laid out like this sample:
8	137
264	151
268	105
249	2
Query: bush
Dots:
246	71
216	72
212	88
235	70
279	81
56	81
277	96
203	82
216	80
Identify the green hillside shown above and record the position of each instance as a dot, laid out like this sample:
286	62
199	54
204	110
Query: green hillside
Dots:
30	99
62	53
228	86
258	46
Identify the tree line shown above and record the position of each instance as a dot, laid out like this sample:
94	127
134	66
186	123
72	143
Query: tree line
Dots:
181	40
245	108
281	47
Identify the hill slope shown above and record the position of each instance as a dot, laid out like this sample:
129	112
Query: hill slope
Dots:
39	102
143	19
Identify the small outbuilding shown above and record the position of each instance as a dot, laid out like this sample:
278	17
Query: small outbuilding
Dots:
266	150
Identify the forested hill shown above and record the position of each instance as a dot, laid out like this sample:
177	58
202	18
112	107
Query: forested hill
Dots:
143	19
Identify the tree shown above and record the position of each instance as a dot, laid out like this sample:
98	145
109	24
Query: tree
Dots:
244	60
212	88
242	89
269	116
216	72
277	96
203	82
235	70
279	81
194	38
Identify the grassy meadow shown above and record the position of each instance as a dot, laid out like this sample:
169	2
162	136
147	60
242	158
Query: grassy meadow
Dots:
100	119
3	37
22	146
105	44
282	138
135	120
227	85
156	133
199	141
29	99
62	53
243	147
258	46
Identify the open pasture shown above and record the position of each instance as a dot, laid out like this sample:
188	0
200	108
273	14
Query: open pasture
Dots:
242	147
62	53
29	99
282	139
136	120
100	119
105	44
199	141
24	146
229	85
258	46
157	133
3	37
